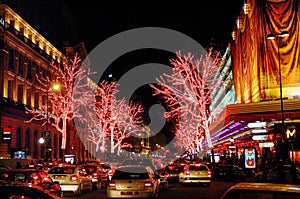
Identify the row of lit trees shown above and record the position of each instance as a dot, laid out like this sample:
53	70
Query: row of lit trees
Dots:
110	121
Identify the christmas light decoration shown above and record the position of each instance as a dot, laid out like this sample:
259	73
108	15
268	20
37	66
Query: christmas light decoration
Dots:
61	101
187	91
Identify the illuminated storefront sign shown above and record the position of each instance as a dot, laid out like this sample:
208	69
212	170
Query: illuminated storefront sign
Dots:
259	137
291	132
250	158
265	144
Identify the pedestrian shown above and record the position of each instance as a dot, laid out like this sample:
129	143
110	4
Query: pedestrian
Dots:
265	170
281	172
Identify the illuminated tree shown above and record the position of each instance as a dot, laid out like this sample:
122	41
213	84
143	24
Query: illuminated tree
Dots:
187	91
114	119
61	103
100	116
127	119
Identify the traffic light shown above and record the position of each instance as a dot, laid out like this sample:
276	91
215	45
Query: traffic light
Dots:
6	135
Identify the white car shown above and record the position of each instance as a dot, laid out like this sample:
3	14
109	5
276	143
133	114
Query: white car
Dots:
71	178
135	181
262	190
195	173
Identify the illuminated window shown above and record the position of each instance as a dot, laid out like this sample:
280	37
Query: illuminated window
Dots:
20	93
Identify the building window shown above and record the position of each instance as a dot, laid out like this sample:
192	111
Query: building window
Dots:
29	70
10	90
28	97
35	144
21	65
44	100
18	138
36	100
20	93
11	60
27	141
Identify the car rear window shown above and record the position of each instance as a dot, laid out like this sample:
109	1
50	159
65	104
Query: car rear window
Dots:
90	169
172	169
62	170
197	168
126	175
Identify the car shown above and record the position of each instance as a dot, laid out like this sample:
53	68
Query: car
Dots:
36	177
72	178
14	190
133	181
163	179
195	174
173	171
273	174
98	174
245	190
14	163
229	172
109	170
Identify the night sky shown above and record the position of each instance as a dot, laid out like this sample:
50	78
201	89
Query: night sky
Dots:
204	21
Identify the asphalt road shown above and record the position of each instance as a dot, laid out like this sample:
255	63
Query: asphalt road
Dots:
176	191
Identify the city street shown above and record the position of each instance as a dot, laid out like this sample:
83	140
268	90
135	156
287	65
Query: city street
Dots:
176	191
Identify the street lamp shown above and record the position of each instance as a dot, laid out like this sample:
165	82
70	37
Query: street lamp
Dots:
277	36
46	135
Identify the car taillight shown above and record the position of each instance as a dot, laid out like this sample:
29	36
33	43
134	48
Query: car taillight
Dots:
35	177
74	178
166	175
209	173
112	184
110	172
148	184
95	175
187	173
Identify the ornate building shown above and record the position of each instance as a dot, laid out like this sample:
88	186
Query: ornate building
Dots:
25	53
266	80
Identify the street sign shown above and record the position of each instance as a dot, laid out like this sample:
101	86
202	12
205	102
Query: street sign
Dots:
265	144
257	125
46	134
6	135
259	137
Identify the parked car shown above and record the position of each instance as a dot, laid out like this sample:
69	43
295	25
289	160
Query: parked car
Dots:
14	163
244	190
98	174
195	174
36	177
71	178
133	181
229	172
273	174
173	170
14	190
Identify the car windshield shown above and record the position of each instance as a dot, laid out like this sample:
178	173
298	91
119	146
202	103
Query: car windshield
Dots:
127	175
62	170
106	166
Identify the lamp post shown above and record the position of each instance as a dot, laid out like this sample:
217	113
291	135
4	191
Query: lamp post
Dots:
277	37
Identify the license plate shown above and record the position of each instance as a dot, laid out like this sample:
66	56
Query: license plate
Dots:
129	193
59	177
